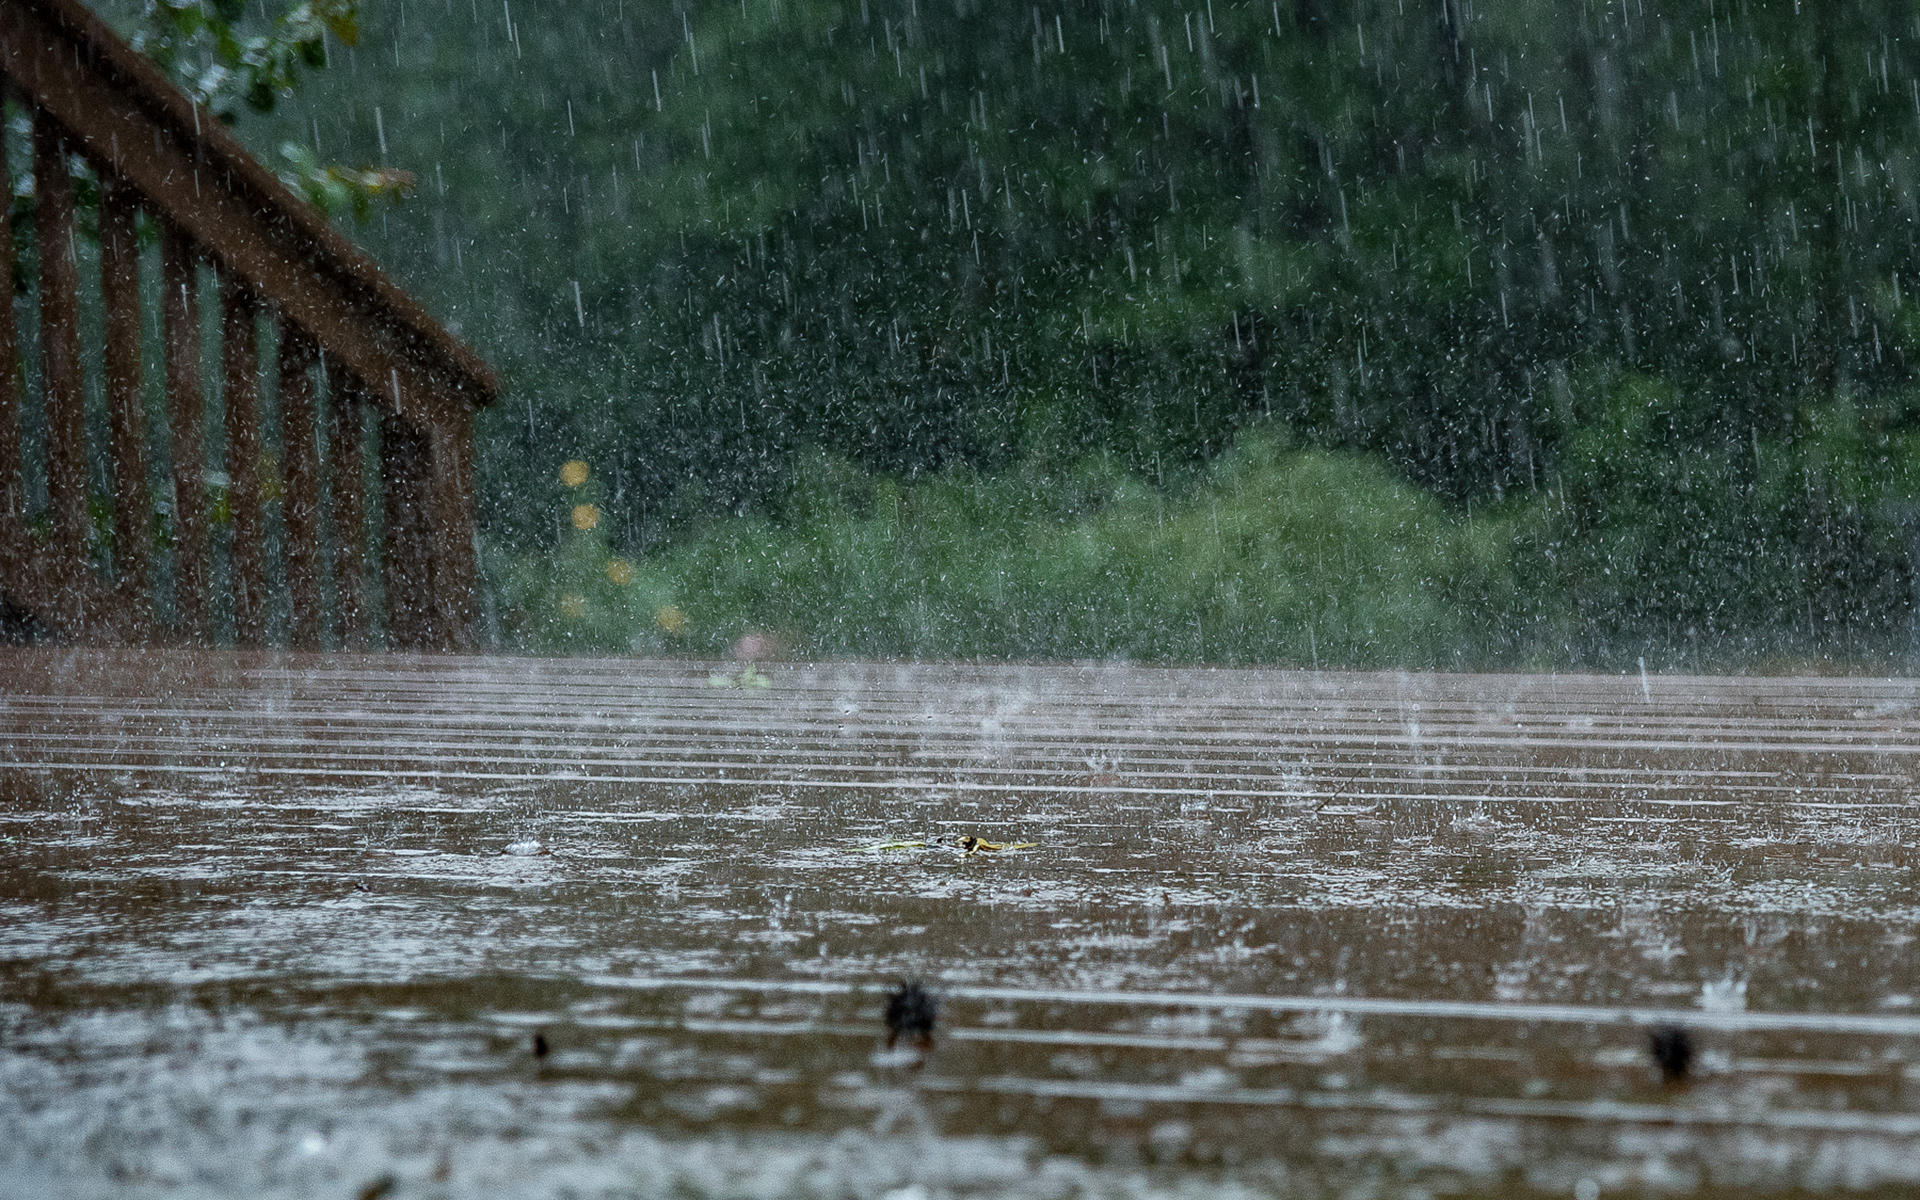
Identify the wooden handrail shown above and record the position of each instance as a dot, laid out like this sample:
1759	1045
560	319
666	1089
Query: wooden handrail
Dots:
124	114
93	98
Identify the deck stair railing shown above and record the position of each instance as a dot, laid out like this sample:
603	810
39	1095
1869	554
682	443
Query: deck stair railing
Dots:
361	371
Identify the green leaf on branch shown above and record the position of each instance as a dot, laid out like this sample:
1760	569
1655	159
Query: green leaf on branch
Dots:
228	70
200	43
336	189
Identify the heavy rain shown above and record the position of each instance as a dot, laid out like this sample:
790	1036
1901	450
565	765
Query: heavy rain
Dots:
919	599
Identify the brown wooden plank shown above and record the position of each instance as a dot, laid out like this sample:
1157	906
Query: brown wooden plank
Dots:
301	466
186	414
124	115
408	566
346	408
240	394
14	547
60	357
120	360
453	554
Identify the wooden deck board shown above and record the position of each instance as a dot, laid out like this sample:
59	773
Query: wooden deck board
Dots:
1314	923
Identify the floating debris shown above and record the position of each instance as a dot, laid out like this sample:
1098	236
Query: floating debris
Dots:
974	845
541	1048
880	846
377	1189
748	677
911	1011
1672	1050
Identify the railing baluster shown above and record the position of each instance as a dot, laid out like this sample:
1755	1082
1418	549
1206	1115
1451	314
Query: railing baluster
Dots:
186	408
60	354
455	570
14	547
302	470
346	406
240	393
120	298
405	463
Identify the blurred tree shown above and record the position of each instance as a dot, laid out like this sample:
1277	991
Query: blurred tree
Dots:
982	231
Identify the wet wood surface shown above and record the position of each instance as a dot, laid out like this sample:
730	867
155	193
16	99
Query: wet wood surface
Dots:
290	922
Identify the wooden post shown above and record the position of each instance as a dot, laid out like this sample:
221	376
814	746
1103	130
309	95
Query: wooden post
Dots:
60	353
453	557
14	549
405	472
240	378
302	469
120	360
347	402
186	416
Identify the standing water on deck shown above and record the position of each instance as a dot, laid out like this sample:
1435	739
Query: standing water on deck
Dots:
346	926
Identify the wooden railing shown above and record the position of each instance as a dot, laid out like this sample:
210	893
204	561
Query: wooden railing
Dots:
280	550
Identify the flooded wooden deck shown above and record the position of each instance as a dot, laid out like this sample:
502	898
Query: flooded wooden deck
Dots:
286	925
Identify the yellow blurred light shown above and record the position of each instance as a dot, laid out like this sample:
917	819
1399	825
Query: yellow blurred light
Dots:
585	516
670	618
573	473
573	606
620	571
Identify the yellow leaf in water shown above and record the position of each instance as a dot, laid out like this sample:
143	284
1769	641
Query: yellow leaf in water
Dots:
747	678
573	473
974	845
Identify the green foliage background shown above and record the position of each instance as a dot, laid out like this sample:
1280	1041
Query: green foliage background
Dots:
1540	332
1272	555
